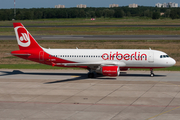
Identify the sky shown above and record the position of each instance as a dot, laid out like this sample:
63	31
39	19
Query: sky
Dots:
6	4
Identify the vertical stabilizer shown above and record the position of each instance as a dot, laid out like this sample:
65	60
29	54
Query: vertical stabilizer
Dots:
24	38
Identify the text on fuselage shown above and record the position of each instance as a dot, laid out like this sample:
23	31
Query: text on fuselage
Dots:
126	56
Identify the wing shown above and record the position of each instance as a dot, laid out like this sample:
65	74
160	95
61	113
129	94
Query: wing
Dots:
91	64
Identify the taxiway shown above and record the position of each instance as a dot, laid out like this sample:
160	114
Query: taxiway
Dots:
70	95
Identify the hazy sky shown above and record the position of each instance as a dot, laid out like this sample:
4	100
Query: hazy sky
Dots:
73	3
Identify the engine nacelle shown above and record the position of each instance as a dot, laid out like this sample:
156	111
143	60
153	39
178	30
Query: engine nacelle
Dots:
110	70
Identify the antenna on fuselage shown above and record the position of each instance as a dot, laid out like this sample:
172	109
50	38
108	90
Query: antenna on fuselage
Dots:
76	47
149	48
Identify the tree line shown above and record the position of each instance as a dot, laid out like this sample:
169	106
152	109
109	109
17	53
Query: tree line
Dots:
119	12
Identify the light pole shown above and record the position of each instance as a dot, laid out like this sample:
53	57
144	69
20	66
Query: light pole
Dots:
14	9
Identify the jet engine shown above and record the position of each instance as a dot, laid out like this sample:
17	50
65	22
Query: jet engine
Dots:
110	70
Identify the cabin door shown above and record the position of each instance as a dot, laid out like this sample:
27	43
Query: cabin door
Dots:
151	57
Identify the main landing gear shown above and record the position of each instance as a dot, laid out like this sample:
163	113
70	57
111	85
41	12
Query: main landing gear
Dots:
91	74
152	74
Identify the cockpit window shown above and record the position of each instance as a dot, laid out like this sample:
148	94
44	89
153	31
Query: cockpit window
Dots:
164	56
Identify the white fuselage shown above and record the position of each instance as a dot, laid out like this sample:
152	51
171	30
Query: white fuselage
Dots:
122	57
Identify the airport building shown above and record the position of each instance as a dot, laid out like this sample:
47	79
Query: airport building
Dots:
133	5
59	6
81	6
158	5
167	5
113	5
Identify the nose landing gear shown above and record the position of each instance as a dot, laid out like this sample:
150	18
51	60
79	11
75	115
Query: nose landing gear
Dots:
152	74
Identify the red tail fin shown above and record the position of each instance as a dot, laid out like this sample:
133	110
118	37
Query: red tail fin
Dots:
24	38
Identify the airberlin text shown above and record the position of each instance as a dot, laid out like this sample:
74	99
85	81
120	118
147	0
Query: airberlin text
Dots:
126	56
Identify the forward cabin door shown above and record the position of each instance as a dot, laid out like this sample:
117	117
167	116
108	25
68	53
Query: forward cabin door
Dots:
41	56
151	57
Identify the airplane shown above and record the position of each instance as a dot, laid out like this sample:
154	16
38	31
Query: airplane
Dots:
108	62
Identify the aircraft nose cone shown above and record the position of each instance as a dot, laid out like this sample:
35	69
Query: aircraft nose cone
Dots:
173	62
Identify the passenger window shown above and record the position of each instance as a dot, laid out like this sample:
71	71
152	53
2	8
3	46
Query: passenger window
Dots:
164	56
161	56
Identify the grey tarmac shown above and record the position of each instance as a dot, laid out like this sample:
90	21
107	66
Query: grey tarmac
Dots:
69	95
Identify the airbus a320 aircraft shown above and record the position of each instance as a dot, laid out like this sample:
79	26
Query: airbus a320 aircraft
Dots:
108	62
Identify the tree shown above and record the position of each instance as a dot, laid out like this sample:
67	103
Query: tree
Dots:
38	14
174	14
92	14
82	13
167	13
128	14
73	13
147	13
156	15
119	13
99	13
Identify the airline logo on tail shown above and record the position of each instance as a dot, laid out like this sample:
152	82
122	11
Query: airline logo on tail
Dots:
22	36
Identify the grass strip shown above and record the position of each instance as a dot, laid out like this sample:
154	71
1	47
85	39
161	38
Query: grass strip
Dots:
97	31
98	21
42	66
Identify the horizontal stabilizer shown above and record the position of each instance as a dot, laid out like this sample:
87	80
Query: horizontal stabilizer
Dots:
23	54
20	53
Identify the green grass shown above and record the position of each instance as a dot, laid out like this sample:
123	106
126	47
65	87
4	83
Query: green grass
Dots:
97	31
98	21
41	66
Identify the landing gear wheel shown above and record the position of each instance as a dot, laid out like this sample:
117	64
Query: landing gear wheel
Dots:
152	74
